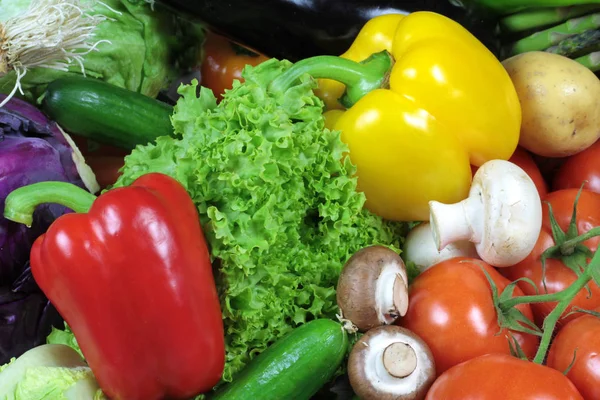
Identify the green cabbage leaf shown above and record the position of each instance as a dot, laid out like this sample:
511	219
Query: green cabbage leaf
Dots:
149	47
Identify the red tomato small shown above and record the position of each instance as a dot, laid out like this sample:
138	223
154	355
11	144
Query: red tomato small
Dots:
223	63
581	167
89	147
451	309
106	168
580	339
558	276
523	159
502	377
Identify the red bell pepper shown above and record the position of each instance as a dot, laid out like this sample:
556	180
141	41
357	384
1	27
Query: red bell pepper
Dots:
130	273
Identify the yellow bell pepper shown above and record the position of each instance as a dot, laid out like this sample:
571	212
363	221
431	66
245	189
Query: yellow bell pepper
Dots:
430	102
375	36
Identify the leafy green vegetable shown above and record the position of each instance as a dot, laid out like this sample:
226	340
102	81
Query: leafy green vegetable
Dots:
65	337
147	48
48	372
277	199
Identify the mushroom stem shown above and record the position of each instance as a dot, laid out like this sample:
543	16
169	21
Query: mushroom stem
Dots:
502	215
421	249
391	363
399	359
455	222
392	294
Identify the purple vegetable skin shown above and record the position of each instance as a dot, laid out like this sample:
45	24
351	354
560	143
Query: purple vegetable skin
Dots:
32	149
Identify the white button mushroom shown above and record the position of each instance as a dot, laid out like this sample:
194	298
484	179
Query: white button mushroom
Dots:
421	249
391	363
502	215
372	288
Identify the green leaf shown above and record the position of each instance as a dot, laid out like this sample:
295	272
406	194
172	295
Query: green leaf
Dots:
515	348
508	291
512	319
495	297
277	199
573	232
66	337
566	371
576	310
576	262
515	320
142	50
557	233
596	276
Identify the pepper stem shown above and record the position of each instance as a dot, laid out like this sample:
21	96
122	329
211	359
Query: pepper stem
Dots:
359	78
21	203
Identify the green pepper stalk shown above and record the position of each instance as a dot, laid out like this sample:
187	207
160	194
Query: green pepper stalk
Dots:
21	203
542	17
359	78
542	40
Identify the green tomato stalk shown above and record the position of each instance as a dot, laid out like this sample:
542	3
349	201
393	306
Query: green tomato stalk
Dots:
569	249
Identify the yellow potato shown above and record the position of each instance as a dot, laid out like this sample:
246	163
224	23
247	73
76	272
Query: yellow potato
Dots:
560	102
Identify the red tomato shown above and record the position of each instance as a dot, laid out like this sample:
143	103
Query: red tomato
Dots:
451	309
581	167
223	63
523	159
558	276
106	168
89	147
502	377
580	339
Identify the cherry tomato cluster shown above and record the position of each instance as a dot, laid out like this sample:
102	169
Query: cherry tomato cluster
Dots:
454	309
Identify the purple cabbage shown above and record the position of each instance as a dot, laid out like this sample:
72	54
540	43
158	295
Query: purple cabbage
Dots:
32	149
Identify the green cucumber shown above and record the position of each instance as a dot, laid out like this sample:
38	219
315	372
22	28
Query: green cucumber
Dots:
294	367
106	113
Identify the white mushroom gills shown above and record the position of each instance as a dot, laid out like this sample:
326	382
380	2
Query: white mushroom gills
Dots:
407	373
391	293
502	215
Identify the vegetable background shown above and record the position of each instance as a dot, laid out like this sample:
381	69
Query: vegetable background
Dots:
32	149
279	209
148	48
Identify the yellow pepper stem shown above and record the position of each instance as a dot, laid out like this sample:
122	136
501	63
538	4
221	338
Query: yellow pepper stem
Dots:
359	78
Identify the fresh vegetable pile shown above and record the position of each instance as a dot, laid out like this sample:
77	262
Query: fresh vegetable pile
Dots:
393	207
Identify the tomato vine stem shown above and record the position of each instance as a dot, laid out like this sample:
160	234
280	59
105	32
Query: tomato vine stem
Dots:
563	299
569	245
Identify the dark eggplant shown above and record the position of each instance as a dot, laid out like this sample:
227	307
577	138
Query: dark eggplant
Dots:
297	29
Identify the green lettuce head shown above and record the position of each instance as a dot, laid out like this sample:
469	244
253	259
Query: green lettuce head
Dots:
49	372
139	47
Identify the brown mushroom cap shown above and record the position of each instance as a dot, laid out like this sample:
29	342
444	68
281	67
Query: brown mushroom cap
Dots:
391	363
372	288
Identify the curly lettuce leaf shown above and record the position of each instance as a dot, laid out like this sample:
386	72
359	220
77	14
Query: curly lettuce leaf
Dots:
277	198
